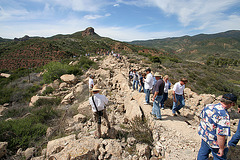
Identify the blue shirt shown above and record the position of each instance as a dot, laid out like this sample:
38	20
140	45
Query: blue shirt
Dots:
215	121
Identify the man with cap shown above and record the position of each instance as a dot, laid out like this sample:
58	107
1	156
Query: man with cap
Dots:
98	102
148	84
158	91
214	128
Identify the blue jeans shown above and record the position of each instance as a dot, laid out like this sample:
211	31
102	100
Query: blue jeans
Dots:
135	82
156	108
205	149
147	96
165	97
178	107
142	87
235	137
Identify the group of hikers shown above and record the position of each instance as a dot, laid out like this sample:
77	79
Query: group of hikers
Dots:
214	127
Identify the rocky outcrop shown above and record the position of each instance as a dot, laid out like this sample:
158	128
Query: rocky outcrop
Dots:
5	75
88	32
3	148
69	78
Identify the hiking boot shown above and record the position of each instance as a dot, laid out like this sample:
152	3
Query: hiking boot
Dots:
145	103
157	118
178	112
162	108
174	114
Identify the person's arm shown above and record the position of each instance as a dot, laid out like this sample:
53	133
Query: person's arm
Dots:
221	143
174	97
154	96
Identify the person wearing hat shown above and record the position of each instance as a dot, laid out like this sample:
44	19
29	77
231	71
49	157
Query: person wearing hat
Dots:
148	84
178	96
214	128
98	102
158	91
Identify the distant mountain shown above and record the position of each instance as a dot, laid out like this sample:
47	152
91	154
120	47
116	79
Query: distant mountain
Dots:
199	47
30	52
4	40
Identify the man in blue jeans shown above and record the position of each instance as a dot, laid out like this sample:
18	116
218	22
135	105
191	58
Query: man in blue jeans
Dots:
178	96
235	139
158	91
214	128
148	84
135	79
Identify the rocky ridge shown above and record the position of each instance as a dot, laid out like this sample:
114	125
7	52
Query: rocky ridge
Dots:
173	137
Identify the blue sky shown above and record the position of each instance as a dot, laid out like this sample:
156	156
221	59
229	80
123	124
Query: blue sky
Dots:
124	20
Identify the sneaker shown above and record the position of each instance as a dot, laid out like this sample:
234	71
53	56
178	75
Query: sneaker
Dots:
157	118
146	103
174	114
162	108
178	112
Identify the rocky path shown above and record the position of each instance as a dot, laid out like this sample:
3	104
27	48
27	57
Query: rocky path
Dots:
174	138
177	135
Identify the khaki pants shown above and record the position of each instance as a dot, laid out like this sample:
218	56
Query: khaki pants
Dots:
98	125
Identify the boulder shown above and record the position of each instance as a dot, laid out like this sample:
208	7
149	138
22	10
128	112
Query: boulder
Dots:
132	108
57	145
2	109
55	84
5	75
69	78
3	149
75	149
63	85
79	118
68	98
34	99
143	150
29	152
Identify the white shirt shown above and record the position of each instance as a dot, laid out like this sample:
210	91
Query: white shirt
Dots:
91	83
148	82
166	86
100	101
178	88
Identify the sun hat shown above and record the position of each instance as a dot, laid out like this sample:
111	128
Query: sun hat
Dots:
230	96
96	88
157	74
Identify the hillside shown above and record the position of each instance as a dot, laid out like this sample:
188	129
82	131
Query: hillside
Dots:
134	133
31	52
199	47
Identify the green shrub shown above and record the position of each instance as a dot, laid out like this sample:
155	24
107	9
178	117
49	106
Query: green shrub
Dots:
140	130
19	133
48	90
48	102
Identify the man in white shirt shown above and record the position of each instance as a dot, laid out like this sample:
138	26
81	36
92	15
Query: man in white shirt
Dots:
178	96
148	84
98	102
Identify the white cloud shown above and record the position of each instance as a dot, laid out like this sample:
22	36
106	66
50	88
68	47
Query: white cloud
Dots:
91	17
116	5
130	34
